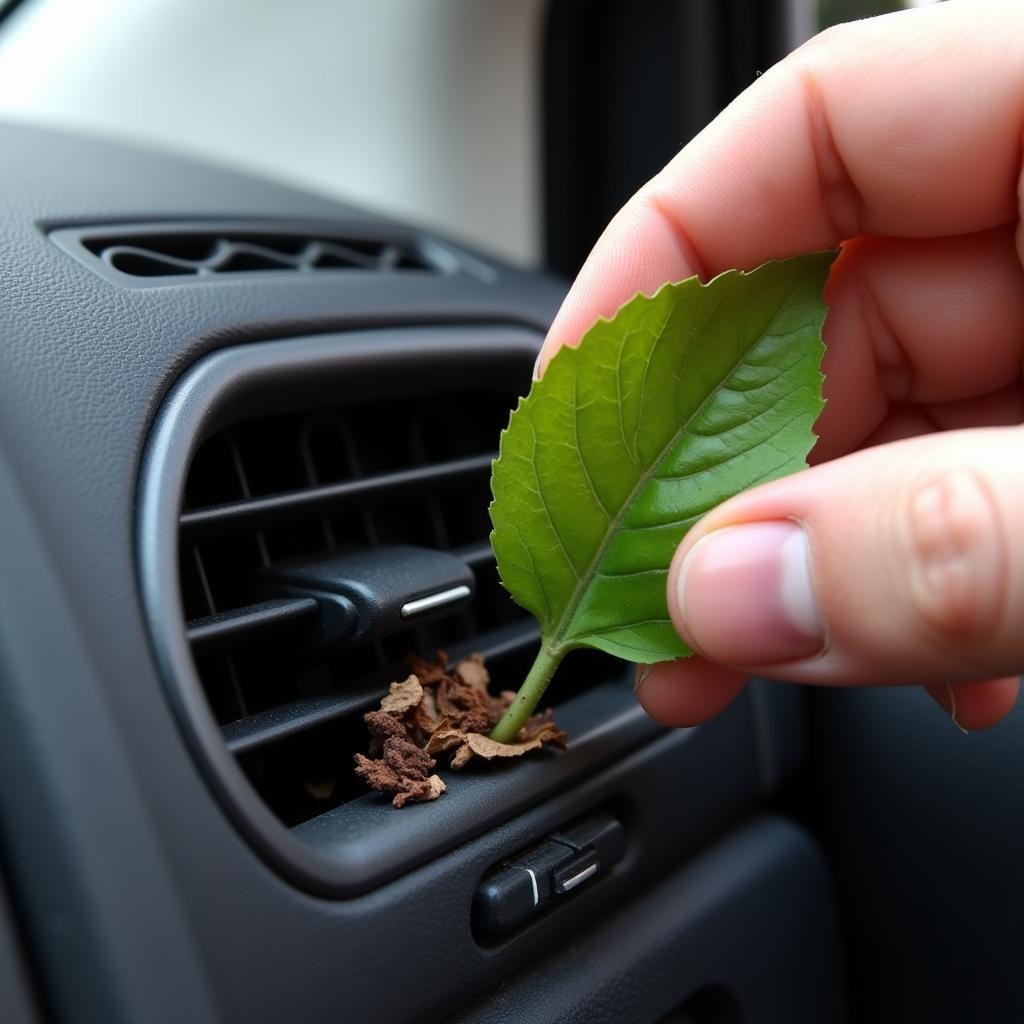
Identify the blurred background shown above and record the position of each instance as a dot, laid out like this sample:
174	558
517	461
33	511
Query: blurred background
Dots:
516	126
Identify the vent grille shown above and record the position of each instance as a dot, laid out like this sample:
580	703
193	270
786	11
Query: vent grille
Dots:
202	250
401	469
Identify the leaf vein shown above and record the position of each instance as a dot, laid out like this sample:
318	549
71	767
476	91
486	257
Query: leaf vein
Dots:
659	336
629	625
579	450
544	505
673	522
604	574
738	455
633	457
689	352
533	569
582	581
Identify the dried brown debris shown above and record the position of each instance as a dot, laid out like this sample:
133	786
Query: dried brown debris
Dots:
435	710
402	770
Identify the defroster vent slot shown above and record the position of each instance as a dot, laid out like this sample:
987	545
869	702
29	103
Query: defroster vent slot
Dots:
149	254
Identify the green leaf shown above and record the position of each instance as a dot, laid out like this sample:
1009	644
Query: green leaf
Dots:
680	401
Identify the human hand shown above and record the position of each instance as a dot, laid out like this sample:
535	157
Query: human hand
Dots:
899	557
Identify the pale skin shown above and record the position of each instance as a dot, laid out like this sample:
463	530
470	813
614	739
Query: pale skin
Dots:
901	138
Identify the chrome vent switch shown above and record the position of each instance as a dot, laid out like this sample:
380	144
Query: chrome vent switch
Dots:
372	591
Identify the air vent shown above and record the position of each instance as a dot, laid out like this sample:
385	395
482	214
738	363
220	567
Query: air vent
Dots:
155	254
294	450
406	470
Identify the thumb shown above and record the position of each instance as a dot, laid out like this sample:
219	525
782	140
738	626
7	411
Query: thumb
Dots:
897	564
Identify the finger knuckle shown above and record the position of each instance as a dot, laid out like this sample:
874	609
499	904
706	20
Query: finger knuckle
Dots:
957	551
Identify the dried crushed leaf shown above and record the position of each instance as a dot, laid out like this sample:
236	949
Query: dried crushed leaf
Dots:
429	673
437	709
539	731
444	737
465	707
422	720
402	696
543	727
473	672
485	747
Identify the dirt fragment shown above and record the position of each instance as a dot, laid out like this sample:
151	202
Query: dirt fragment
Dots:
383	726
439	709
402	771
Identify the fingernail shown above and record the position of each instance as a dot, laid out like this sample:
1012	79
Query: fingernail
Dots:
946	699
642	672
746	595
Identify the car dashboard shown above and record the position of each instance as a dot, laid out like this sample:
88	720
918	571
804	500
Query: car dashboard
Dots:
208	380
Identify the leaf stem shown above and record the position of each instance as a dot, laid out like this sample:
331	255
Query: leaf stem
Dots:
529	695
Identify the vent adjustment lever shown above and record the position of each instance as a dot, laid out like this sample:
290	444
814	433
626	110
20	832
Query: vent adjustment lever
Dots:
372	591
564	862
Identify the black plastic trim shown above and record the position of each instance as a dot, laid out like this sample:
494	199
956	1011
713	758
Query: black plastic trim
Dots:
362	843
476	555
225	628
203	521
18	987
753	916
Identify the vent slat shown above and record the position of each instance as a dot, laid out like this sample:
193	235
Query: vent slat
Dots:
379	469
298	716
232	515
227	627
475	555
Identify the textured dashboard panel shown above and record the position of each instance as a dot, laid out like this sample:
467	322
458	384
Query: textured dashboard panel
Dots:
751	917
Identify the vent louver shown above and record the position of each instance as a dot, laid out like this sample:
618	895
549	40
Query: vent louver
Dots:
201	250
411	471
294	450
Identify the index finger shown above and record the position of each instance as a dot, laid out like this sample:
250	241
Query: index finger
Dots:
909	124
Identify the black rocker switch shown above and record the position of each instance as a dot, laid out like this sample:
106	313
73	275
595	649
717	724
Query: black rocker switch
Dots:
516	892
598	842
603	833
561	864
